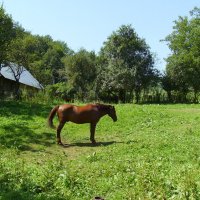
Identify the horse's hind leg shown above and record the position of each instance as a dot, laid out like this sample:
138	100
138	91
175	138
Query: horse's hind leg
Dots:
92	133
59	128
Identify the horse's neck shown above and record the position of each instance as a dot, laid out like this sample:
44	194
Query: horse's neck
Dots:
103	113
102	110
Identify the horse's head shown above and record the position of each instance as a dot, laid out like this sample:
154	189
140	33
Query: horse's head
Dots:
112	113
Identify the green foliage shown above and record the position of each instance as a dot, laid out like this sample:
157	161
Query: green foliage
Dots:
7	33
45	58
128	61
183	66
123	71
112	81
81	72
61	90
151	152
42	56
124	66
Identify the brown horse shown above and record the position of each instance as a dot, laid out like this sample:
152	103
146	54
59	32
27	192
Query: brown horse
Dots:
90	113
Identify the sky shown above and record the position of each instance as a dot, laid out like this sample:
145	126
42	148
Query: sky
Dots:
88	23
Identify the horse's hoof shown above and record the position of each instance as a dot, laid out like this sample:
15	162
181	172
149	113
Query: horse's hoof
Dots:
66	145
98	198
94	143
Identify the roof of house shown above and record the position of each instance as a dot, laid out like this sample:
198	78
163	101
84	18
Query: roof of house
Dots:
25	77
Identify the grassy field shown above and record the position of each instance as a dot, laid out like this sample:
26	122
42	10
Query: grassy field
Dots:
151	152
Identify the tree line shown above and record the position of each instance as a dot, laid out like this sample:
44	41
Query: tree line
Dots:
123	71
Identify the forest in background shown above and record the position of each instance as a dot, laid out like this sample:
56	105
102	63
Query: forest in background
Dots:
123	71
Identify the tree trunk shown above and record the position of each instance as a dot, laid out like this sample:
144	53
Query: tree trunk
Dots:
169	96
137	96
17	94
122	96
195	96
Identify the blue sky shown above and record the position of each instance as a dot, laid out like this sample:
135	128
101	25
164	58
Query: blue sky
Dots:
88	23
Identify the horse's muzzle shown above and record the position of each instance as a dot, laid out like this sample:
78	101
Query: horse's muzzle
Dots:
114	120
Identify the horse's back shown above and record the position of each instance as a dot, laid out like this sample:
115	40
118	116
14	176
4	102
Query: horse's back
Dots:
75	108
65	107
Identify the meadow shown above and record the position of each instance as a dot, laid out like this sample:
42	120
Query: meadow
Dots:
151	152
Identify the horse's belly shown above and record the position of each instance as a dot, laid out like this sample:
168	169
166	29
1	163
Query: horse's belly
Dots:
82	119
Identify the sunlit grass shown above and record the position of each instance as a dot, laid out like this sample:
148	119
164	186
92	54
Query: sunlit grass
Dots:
151	152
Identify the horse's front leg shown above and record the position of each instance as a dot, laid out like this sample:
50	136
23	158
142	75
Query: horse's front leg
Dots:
92	132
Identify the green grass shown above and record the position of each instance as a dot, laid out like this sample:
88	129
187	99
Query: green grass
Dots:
151	152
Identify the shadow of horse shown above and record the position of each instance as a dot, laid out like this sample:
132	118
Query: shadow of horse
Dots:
88	144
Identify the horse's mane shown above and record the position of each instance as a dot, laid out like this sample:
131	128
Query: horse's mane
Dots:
102	107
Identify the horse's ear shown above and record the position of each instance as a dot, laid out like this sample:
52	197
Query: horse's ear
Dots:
111	107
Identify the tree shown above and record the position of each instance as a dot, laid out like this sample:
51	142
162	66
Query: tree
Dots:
7	33
17	50
112	81
130	60
54	60
42	56
168	85
81	72
183	64
16	58
48	63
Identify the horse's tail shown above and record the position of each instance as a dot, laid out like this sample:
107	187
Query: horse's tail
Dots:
51	116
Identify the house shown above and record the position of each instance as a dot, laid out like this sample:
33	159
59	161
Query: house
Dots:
8	84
